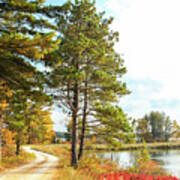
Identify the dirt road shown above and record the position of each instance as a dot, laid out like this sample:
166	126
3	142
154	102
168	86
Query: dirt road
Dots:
44	168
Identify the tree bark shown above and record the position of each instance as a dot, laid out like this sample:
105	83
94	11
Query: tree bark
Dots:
0	138
17	147
81	148
74	159
29	134
29	140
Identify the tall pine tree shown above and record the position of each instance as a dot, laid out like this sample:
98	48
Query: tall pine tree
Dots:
90	70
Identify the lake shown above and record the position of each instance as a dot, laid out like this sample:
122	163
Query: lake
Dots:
170	160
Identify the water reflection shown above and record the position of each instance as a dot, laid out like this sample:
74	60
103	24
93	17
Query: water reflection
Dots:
169	160
124	159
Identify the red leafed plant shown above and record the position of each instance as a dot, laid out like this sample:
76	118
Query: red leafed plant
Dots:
126	176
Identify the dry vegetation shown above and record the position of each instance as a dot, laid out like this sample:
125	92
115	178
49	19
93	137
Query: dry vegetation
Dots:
89	168
10	160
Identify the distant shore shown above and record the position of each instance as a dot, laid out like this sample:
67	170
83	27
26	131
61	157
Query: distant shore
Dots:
156	145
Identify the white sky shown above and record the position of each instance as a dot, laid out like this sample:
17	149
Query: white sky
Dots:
150	41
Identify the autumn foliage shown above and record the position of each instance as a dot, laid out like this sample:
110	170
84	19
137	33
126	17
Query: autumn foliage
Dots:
126	176
7	137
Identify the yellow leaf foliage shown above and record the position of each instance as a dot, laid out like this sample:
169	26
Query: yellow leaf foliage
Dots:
7	136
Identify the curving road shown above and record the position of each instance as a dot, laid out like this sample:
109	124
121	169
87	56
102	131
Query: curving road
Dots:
44	168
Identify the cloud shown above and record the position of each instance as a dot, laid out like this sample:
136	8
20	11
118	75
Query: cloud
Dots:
116	7
145	97
150	41
59	120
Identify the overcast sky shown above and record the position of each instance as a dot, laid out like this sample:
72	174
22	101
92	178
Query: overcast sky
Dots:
150	45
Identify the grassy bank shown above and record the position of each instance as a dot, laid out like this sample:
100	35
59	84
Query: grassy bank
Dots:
10	160
123	147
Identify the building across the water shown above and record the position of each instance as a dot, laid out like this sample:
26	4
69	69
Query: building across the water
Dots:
62	136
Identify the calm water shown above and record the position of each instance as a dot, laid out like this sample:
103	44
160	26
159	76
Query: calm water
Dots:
170	160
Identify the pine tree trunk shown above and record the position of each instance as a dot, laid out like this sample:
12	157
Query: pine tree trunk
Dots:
74	160
29	140
29	134
17	147
81	148
0	138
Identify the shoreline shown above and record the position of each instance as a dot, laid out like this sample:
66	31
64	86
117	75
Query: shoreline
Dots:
125	147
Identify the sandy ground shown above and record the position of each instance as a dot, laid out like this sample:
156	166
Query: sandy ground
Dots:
44	168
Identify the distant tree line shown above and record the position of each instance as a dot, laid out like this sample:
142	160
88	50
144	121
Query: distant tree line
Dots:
156	126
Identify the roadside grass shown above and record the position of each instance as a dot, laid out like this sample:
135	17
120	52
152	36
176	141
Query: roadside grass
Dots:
90	167
10	160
